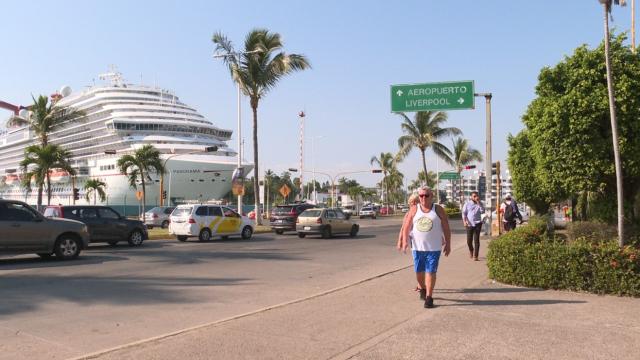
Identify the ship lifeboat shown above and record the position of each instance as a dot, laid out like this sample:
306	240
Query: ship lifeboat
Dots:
59	176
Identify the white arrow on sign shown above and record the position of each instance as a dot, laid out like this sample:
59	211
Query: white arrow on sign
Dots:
399	92
460	101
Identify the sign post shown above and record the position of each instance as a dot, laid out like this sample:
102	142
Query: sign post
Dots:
455	95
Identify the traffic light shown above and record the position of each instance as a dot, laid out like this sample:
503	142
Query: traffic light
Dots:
211	148
164	194
376	171
469	167
495	168
76	194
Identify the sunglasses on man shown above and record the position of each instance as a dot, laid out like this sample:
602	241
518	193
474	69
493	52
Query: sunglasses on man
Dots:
424	195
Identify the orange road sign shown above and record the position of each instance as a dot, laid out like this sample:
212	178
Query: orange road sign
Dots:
284	190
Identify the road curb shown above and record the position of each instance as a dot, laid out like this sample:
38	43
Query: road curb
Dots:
235	317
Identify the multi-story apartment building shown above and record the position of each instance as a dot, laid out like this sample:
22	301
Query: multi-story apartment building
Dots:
459	191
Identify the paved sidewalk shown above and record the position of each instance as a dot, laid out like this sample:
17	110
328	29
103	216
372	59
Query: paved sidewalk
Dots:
382	318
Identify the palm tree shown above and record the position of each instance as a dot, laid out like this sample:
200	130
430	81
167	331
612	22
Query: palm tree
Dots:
47	117
387	163
95	188
424	133
144	161
39	162
257	70
612	110
463	155
422	180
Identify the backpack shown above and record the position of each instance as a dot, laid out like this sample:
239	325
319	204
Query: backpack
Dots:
509	213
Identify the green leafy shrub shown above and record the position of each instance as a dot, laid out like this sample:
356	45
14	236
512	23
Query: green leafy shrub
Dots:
594	231
527	256
453	213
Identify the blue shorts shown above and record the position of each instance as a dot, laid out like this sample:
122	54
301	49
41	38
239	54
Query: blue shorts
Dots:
426	261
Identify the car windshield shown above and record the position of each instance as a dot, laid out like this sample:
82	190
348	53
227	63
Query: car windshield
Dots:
311	213
282	210
182	211
366	209
154	210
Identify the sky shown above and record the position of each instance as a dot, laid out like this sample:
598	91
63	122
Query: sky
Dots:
357	49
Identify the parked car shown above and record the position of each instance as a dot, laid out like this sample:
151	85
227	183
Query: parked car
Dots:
325	222
348	210
404	209
367	211
386	210
283	217
207	221
104	223
25	230
158	216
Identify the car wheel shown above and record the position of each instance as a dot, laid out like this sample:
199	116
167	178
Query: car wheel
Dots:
182	238
135	238
165	224
247	231
67	247
301	235
279	232
113	243
354	231
45	255
326	233
205	235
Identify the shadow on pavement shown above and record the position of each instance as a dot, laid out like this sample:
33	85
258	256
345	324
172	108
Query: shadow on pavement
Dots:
487	290
22	292
472	302
207	254
36	262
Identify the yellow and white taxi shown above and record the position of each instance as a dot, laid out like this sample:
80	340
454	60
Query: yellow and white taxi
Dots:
208	221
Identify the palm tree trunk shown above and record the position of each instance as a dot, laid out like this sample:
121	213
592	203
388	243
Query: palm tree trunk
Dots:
144	196
614	126
40	186
256	171
48	189
424	165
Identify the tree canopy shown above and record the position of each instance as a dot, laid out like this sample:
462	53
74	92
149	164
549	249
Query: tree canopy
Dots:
568	132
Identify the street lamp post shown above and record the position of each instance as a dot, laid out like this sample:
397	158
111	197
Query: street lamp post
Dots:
236	57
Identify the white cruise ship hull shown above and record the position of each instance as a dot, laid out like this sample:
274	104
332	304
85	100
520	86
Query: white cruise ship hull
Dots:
187	178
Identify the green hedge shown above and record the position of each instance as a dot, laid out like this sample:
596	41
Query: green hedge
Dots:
529	257
453	213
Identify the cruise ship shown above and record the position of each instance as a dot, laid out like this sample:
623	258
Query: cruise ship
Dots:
118	119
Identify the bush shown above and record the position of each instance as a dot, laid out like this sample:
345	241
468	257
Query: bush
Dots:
527	256
453	213
594	231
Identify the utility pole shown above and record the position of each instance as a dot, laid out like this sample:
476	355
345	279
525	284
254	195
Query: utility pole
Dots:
301	115
487	155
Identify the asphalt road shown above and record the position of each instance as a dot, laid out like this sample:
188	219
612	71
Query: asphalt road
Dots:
114	296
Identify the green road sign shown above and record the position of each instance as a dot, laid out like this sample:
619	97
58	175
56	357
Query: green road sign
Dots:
449	176
454	95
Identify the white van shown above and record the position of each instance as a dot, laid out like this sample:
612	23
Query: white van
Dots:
207	221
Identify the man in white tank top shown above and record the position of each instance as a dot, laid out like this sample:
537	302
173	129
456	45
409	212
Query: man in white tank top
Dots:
428	225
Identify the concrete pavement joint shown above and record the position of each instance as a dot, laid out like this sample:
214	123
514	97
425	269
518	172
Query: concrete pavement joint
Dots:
228	319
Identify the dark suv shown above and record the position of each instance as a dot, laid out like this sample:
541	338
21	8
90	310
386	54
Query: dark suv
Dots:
283	217
104	223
